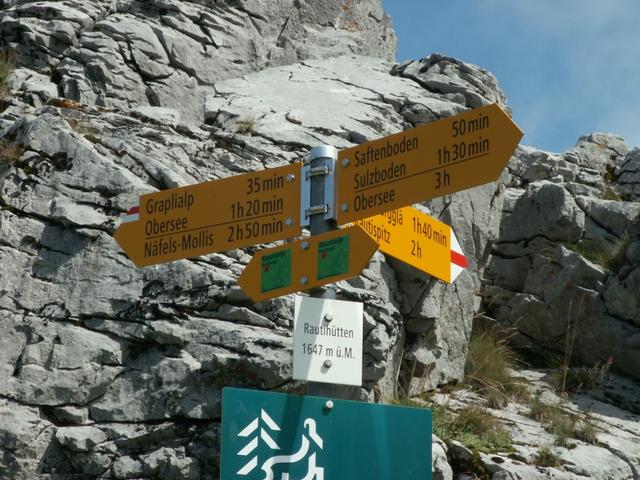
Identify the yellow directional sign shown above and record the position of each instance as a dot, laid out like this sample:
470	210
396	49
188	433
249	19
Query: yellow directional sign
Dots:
213	216
429	161
419	240
307	263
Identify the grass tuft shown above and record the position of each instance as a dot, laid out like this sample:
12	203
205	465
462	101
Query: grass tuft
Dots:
246	125
567	379
562	424
609	193
487	369
547	458
612	259
473	427
6	66
10	153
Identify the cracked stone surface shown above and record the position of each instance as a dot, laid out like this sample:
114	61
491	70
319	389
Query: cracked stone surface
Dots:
111	371
615	455
628	176
93	341
568	270
170	54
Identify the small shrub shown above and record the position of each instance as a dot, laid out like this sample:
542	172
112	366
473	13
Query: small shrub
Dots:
547	458
473	466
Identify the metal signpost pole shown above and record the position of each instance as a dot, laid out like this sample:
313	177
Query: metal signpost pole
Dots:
321	167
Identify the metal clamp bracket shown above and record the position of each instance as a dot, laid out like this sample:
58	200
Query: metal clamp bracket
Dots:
328	207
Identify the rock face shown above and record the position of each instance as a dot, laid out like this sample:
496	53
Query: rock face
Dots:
565	275
123	367
170	54
610	450
111	371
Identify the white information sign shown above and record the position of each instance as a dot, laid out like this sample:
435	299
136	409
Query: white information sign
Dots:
327	341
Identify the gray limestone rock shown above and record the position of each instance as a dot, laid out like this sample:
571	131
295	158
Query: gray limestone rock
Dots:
25	438
615	454
170	54
80	439
441	470
454	78
34	87
551	212
621	296
598	151
609	224
107	370
627	181
162	341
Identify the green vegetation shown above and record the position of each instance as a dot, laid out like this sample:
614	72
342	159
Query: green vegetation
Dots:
609	193
562	424
6	65
611	259
618	254
609	177
576	379
566	378
547	458
471	426
474	466
487	370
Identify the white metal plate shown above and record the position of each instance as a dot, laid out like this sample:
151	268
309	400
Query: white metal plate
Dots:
317	341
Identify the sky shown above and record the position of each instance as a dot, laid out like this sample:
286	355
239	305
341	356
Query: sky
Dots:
567	67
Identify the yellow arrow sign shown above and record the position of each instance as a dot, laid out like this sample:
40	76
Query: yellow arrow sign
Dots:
307	263
213	216
429	161
419	240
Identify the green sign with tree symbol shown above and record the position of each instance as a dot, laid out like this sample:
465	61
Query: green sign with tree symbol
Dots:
277	436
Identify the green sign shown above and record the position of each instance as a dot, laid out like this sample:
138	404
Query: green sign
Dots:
275	271
333	257
268	435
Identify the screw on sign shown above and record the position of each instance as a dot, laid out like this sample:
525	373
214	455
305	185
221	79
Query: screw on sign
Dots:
429	161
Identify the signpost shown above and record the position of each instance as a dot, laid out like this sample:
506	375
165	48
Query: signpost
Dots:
214	216
428	161
419	240
268	435
327	341
307	263
276	436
